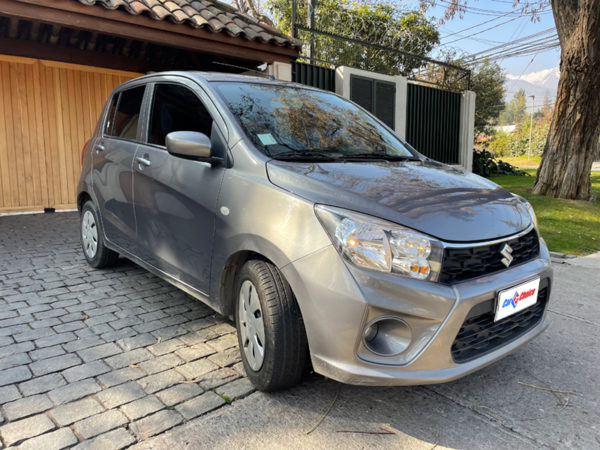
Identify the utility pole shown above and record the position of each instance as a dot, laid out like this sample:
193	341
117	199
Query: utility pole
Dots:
311	25
530	127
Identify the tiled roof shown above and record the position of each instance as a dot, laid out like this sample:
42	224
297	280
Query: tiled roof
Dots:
211	15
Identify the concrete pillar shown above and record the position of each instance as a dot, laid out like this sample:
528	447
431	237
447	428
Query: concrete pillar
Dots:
342	87
281	71
467	126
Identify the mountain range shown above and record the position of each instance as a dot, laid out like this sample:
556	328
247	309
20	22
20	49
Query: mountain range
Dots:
534	83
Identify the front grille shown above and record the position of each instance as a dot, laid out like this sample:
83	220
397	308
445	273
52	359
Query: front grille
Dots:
480	334
469	262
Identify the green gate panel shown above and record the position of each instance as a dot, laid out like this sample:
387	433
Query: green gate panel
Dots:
315	76
433	122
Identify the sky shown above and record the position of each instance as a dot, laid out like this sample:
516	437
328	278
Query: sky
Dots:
497	31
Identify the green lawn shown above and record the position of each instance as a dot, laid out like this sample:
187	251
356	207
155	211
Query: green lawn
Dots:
522	161
568	226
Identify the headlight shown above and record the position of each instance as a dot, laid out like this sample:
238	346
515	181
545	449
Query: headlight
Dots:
529	210
379	245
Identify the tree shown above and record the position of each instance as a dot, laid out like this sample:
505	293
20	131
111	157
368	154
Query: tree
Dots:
487	81
514	113
575	128
376	22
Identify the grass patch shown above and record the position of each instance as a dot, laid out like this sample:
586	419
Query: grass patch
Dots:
522	161
568	226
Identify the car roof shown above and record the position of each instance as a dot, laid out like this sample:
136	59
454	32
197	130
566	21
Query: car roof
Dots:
217	76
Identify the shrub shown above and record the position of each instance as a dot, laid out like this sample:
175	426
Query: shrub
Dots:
486	165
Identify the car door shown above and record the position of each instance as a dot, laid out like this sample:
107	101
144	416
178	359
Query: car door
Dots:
112	175
174	197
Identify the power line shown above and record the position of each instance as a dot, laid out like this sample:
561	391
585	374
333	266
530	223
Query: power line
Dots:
475	26
491	28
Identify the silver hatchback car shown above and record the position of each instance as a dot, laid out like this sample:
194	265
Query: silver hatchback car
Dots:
326	237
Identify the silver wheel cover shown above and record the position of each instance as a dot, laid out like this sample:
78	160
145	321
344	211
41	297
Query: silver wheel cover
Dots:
89	234
252	326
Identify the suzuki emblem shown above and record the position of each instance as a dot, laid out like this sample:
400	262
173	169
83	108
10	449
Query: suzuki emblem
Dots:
507	253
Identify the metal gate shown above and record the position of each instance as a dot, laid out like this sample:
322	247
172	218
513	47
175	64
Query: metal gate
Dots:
433	122
315	76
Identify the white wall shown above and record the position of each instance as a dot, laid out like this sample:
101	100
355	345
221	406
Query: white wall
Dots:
342	87
281	71
467	126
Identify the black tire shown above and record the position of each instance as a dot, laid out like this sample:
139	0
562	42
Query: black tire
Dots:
285	346
103	256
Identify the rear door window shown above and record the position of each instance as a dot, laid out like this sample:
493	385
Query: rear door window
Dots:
176	108
124	113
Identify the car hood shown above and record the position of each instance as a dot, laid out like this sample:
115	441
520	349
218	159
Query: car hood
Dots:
433	198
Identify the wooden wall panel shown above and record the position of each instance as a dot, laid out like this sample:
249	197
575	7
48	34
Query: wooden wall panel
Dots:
48	110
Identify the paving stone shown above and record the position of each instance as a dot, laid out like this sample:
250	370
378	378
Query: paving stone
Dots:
224	342
14	360
14	375
113	335
55	440
27	428
8	394
42	384
121	376
26	406
160	363
72	412
226	358
100	423
16	348
115	439
86	370
217	378
71	326
150	326
47	352
55	339
160	381
179	393
128	358
142	407
166	346
74	391
200	405
121	394
54	364
236	389
44	323
155	424
83	343
99	352
193	352
196	369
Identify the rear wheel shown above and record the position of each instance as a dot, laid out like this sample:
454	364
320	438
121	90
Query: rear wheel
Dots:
270	329
92	241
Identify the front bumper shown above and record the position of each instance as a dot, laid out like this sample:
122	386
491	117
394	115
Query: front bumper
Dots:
338	302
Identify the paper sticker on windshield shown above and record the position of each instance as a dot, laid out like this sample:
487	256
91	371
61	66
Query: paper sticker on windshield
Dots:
267	139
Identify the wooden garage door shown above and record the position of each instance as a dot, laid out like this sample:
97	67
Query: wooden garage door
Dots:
48	110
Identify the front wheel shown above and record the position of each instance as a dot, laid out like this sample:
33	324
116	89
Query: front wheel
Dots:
92	241
270	329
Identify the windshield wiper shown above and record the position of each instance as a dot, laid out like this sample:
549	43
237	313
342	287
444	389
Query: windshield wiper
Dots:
377	156
304	155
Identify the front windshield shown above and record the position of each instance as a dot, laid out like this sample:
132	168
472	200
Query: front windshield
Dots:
285	121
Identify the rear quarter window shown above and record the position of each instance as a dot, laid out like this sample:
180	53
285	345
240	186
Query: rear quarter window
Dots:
124	113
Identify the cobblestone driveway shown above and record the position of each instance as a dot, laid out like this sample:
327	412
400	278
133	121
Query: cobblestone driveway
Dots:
107	357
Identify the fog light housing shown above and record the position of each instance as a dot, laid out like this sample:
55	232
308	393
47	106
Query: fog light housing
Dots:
387	336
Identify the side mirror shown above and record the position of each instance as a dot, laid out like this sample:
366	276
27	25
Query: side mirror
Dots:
191	145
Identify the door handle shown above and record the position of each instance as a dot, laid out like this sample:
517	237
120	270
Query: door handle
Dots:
99	149
143	161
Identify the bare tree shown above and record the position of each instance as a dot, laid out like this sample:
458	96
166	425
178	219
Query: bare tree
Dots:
253	8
